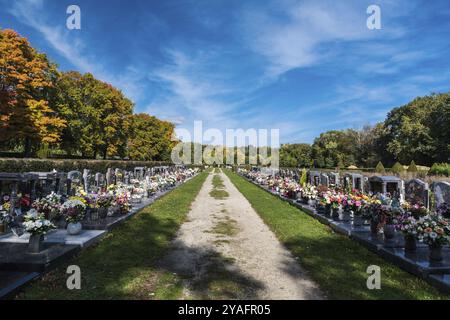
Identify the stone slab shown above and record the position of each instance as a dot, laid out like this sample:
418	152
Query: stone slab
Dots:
417	262
60	236
15	256
440	281
12	281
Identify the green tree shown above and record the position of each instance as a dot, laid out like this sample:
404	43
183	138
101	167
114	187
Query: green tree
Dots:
380	168
150	138
397	168
412	167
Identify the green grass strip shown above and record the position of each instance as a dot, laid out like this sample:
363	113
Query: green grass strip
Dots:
337	263
124	264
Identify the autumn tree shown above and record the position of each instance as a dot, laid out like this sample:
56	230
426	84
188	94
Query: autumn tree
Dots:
26	82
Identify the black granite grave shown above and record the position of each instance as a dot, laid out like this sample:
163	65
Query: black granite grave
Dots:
15	256
12	281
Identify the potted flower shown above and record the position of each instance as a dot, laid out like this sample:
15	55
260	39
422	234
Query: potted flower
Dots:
417	210
390	219
103	202
356	209
122	203
375	213
74	210
37	225
408	227
434	230
335	201
443	210
50	206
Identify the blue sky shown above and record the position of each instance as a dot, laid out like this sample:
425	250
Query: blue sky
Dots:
303	67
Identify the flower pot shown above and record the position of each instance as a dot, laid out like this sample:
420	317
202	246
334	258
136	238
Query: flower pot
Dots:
74	228
435	253
328	209
311	203
320	209
346	215
358	221
36	243
335	213
374	226
94	215
410	244
389	231
102	212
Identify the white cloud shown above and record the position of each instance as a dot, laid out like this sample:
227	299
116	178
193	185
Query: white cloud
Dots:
73	49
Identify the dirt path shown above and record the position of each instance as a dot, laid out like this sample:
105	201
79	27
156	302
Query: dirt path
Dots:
225	251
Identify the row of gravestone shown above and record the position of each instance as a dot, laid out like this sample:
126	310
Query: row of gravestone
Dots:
39	184
414	191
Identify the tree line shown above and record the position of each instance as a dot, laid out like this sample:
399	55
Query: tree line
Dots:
418	131
42	107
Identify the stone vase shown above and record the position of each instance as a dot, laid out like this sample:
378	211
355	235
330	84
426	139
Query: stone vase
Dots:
346	215
410	244
36	243
335	213
358	221
374	226
74	228
311	203
102	212
435	253
94	215
389	231
328	209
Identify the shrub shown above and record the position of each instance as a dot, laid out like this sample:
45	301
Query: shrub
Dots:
440	169
412	167
303	178
380	168
397	168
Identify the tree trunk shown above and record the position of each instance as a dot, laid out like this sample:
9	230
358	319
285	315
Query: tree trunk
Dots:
27	147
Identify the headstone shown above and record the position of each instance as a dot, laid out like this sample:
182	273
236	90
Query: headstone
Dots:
126	177
86	178
99	180
74	179
324	180
109	177
441	191
334	179
417	192
118	175
139	173
61	183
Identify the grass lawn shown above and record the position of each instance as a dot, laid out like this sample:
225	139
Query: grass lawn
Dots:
335	262
124	264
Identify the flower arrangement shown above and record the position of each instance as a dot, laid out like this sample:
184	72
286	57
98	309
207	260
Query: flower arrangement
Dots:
122	202
433	230
74	210
443	210
50	206
407	225
416	210
37	224
103	200
309	192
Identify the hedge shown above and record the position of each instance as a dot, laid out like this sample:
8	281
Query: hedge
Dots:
65	165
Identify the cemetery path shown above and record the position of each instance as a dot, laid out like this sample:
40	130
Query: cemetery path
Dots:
225	251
